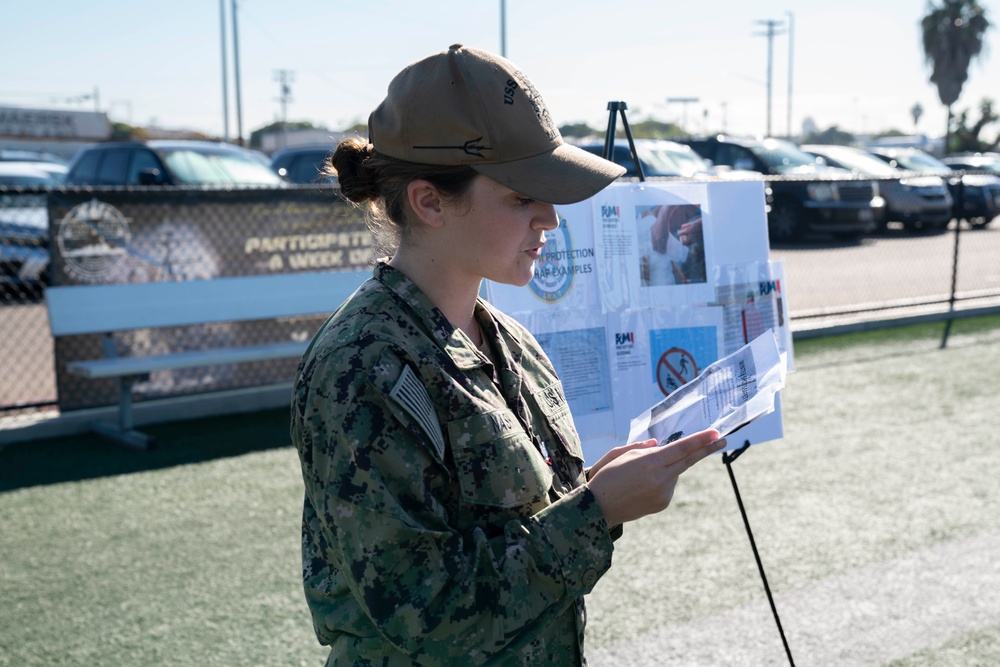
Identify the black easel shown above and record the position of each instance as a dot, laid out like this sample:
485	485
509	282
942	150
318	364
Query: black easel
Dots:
609	144
728	459
609	138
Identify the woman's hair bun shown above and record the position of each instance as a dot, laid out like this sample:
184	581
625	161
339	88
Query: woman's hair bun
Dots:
348	163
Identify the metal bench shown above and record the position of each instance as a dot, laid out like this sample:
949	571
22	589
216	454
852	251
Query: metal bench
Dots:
107	309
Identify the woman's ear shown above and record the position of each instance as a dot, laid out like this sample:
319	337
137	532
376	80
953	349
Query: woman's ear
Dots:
425	202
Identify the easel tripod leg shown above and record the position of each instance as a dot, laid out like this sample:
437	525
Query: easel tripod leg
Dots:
728	460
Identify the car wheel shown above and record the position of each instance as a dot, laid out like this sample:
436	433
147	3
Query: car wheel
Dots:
784	223
921	227
882	224
980	223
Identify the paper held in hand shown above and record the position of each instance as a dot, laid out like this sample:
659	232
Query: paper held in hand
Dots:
727	395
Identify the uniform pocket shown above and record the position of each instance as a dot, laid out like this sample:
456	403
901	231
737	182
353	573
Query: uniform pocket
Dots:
550	402
497	464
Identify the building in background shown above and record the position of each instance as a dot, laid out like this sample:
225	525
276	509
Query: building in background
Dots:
57	131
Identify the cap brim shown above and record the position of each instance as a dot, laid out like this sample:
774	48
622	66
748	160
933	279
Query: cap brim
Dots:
564	175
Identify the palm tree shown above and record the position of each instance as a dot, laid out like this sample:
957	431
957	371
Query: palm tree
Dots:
953	35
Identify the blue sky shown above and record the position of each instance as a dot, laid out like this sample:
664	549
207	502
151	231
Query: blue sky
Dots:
855	63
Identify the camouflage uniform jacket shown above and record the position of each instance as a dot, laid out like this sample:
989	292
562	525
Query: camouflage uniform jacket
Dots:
446	520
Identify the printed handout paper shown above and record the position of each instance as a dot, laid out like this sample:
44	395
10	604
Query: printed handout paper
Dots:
727	395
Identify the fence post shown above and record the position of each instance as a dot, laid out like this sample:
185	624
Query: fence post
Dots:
960	207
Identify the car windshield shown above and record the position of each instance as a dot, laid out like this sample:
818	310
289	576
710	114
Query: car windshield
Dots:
217	168
656	161
919	161
979	165
688	162
860	161
782	156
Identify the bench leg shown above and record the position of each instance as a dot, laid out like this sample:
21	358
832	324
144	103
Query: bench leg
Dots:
122	432
131	439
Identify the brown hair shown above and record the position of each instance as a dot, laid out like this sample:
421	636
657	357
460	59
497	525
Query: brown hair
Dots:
377	183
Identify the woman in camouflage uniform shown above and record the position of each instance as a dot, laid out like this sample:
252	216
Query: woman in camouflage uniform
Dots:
448	516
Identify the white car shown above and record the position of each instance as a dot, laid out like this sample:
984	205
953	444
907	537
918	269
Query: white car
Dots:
24	223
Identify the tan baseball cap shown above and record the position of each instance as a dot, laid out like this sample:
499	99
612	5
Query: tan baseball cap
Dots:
469	107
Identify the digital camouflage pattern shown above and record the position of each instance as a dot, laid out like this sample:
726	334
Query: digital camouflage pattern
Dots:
435	531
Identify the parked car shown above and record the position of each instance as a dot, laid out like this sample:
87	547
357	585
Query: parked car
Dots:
302	164
169	162
658	158
24	233
803	195
28	166
29	174
919	202
979	200
975	162
53	164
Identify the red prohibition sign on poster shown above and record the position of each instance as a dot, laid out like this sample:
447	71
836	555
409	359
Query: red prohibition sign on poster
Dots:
675	367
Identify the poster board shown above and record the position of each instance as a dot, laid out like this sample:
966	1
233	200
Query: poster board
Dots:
644	285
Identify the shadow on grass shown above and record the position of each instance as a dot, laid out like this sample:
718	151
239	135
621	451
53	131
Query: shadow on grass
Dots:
88	456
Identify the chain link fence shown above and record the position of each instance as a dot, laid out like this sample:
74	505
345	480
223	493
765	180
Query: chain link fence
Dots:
183	234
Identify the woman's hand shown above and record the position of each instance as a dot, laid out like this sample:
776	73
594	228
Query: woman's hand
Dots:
638	479
616	452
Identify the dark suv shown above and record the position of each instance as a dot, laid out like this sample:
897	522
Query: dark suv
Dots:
802	194
163	162
302	164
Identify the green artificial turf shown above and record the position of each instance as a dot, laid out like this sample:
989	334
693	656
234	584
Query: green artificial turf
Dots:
189	554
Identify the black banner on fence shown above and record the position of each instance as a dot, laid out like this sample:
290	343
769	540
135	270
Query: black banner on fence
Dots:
113	235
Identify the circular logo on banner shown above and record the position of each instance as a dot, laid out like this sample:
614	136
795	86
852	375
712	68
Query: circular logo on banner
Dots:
554	270
675	368
92	239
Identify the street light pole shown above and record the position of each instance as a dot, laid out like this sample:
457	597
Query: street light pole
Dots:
225	82
236	77
684	102
791	51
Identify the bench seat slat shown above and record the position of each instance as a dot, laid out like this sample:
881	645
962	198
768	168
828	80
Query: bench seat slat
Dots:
126	366
92	309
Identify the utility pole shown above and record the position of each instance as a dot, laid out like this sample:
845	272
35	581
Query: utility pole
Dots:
503	28
285	78
791	52
772	30
236	76
225	82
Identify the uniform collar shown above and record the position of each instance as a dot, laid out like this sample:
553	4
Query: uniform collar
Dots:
455	343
